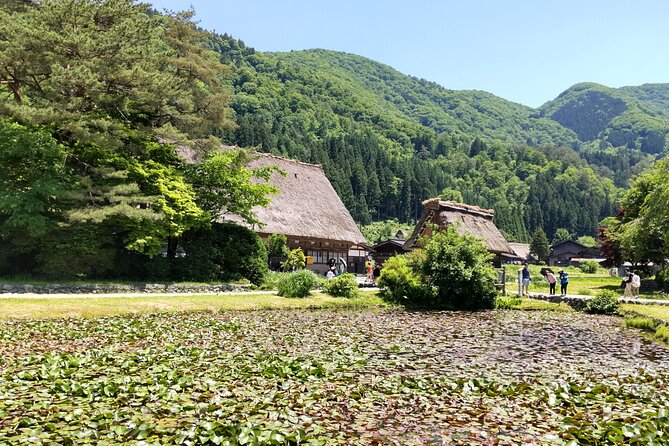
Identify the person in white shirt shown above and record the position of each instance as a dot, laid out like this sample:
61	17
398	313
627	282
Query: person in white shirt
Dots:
636	284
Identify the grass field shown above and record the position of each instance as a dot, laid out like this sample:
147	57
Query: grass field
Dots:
579	282
44	308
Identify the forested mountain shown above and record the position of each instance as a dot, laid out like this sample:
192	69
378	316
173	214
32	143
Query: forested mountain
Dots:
387	141
91	114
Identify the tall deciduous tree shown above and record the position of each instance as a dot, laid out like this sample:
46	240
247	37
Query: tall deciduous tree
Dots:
644	221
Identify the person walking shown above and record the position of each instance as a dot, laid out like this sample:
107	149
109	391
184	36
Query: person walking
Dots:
627	284
526	281
564	281
550	277
636	284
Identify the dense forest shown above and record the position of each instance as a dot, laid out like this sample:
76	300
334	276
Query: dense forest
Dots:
388	141
96	96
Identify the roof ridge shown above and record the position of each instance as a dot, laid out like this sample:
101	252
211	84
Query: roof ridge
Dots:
270	155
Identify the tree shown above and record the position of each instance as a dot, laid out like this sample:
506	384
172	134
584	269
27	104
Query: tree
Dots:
539	245
643	229
561	235
277	246
587	241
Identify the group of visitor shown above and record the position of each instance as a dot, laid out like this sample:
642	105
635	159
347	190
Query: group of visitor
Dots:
563	277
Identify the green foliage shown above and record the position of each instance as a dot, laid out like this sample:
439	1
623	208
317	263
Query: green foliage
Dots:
222	252
223	184
624	117
561	235
400	281
77	252
643	230
508	303
297	284
453	271
458	267
604	302
587	241
344	285
589	266
539	245
295	260
33	180
662	278
379	231
641	322
277	246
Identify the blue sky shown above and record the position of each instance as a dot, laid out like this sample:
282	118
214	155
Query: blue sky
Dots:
523	51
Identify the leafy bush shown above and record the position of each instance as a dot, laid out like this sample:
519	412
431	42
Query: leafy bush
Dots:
225	251
589	266
458	267
662	278
399	282
604	302
297	284
453	271
78	251
342	286
271	280
662	333
296	260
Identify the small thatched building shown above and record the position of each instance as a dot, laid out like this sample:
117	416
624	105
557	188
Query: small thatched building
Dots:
467	219
310	213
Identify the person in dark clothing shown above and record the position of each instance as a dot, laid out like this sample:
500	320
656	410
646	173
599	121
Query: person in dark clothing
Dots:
564	281
376	272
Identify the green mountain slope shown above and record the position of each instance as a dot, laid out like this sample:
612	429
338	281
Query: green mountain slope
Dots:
653	94
387	141
632	117
385	91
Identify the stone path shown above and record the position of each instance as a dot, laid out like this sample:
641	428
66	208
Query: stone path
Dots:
107	295
582	298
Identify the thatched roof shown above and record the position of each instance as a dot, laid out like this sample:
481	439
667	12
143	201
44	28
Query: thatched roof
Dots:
521	250
307	205
467	219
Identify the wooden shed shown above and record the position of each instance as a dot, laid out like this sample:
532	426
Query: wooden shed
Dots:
466	219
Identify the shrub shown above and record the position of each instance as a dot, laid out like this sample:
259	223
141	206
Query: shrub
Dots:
78	251
589	266
296	260
399	282
604	302
662	278
342	286
225	251
297	284
271	280
458	268
452	271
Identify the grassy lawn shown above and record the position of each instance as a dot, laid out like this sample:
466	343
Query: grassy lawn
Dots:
579	282
37	308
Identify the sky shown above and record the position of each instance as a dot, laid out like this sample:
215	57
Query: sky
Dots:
524	51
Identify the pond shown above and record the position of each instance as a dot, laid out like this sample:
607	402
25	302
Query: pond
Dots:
332	377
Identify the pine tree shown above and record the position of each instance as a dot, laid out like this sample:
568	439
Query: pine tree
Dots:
539	245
